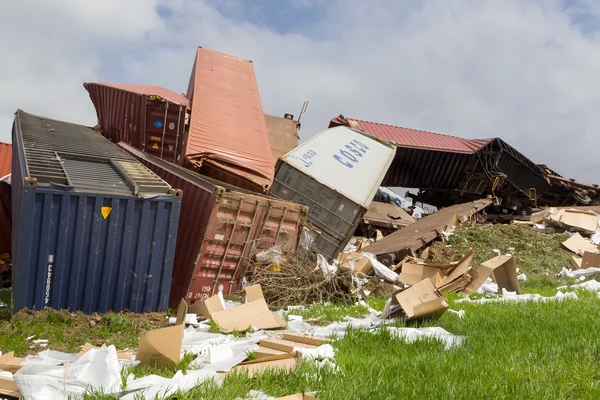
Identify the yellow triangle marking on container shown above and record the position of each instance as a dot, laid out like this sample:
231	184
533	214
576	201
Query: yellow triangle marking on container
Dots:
105	211
155	146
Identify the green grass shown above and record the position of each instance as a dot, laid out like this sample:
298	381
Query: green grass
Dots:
69	331
516	351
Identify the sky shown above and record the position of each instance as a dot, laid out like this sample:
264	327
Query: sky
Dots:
523	70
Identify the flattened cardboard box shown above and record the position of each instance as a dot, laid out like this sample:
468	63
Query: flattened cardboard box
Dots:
412	273
121	354
577	244
10	363
501	269
163	346
8	387
420	301
297	396
240	318
585	221
289	343
283	363
458	277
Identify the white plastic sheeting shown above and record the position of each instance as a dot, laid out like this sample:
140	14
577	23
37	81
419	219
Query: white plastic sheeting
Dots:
323	352
513	297
329	270
489	286
460	313
43	378
591	286
158	388
381	270
410	335
578	273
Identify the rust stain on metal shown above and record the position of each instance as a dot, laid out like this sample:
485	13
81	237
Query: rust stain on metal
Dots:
227	123
5	159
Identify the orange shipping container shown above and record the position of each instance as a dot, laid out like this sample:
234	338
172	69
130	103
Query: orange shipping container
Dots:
228	137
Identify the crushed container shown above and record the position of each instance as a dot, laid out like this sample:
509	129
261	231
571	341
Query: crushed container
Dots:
336	174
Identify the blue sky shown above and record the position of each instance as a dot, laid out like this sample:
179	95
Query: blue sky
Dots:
524	70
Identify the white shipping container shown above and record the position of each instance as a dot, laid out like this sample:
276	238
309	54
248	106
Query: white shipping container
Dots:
348	161
336	174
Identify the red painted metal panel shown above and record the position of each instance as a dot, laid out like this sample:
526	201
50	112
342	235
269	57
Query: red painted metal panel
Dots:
5	159
413	138
5	220
220	229
149	118
227	124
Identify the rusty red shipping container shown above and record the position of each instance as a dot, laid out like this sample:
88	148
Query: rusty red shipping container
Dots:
220	229
5	159
5	220
150	118
228	137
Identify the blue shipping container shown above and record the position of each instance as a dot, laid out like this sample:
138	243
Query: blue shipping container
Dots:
93	229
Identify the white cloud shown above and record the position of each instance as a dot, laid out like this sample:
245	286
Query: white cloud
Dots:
520	70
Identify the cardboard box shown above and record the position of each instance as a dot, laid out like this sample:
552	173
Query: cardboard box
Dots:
576	262
458	277
287	346
289	343
501	269
283	363
420	301
10	363
412	273
163	346
584	221
8	387
297	396
240	318
577	244
315	341
590	259
263	352
362	264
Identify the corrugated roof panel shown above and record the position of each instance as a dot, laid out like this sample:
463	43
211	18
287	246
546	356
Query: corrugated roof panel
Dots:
5	158
406	137
147	90
227	122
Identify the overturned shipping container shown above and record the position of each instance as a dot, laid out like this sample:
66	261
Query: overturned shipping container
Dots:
150	118
336	174
220	230
93	229
228	138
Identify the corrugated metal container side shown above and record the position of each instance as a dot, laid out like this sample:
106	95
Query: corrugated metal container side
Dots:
227	125
5	219
5	159
283	135
150	118
93	229
220	230
336	174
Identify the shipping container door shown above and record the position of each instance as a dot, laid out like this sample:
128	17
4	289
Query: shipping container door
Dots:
164	129
227	242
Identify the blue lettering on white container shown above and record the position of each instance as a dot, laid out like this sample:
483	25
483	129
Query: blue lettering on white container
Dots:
351	153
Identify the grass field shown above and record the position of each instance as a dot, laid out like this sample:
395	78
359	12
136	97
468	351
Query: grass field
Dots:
514	351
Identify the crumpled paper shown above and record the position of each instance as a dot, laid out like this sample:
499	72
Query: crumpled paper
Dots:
159	388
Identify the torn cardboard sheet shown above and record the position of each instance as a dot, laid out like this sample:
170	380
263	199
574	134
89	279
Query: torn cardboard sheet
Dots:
97	369
420	301
590	259
445	277
282	363
501	269
412	274
410	335
356	262
458	277
577	244
576	262
163	346
297	396
512	297
583	221
290	343
158	387
255	313
578	273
